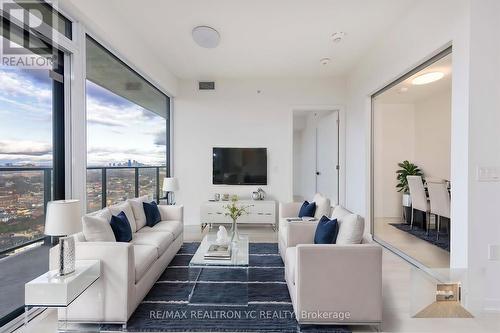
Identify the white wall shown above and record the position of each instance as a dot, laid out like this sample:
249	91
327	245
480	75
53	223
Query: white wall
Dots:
433	135
236	115
406	44
484	150
394	142
419	132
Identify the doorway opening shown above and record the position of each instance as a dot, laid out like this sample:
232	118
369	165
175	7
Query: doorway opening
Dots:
411	148
316	154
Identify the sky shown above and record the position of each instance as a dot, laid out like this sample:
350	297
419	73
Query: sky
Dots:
117	130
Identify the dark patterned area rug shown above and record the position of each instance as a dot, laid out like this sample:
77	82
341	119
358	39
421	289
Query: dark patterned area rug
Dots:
443	242
262	287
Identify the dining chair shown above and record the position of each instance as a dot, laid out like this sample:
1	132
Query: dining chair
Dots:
440	201
418	199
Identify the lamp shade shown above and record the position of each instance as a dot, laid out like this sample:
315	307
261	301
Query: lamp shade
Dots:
170	184
63	218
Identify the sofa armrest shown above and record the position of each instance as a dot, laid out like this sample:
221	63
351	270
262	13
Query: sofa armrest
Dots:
171	212
114	289
289	209
342	279
300	232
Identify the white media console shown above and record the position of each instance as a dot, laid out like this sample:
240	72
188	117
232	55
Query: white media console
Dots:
260	212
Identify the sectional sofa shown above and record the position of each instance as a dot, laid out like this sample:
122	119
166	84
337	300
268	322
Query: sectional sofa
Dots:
128	270
331	283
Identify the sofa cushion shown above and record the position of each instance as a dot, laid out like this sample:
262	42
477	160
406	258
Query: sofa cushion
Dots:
339	212
326	231
307	209
138	210
291	263
160	240
127	209
152	213
97	228
174	227
121	227
144	258
322	205
351	230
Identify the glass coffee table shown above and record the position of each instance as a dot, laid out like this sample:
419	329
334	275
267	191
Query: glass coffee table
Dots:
219	282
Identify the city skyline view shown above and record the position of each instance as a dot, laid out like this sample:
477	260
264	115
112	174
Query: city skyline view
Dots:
113	123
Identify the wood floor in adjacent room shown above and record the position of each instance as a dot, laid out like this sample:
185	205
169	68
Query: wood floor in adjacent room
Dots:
398	281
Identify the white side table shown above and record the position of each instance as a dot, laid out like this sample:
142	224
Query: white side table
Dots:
53	291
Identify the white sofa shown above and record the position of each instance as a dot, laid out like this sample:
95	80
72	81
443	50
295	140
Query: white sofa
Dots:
128	270
342	282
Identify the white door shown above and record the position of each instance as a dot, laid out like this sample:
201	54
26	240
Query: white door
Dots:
327	156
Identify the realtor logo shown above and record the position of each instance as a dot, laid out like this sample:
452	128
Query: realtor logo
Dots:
21	46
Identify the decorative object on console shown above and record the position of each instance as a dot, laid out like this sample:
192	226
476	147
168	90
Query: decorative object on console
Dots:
255	195
170	185
326	231
152	213
222	236
259	194
63	219
225	197
234	211
307	209
121	227
217	196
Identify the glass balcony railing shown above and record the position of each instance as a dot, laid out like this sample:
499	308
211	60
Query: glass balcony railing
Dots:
25	192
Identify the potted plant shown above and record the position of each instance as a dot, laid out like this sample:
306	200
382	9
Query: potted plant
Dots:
234	211
406	169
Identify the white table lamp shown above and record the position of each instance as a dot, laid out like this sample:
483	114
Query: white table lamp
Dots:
170	185
63	219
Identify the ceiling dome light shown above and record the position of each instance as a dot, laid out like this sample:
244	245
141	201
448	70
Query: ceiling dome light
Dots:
427	78
206	37
325	61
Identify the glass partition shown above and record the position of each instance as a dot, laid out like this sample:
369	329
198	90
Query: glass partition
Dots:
411	148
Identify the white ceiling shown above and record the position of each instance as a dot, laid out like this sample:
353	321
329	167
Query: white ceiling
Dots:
259	38
417	93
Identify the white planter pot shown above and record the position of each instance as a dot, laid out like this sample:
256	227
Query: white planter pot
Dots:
406	200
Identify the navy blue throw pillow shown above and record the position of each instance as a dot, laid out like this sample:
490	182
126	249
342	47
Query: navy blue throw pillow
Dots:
152	213
307	209
326	231
121	227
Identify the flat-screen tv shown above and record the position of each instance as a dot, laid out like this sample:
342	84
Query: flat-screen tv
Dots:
239	166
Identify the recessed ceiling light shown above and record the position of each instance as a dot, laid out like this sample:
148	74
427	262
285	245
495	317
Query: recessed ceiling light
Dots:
338	36
427	78
325	61
206	37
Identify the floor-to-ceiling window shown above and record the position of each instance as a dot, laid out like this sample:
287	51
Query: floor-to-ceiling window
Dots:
31	143
127	131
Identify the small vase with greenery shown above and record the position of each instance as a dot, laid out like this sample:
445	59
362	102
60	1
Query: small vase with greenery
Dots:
234	211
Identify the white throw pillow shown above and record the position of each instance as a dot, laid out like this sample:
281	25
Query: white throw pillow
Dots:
96	227
127	209
322	206
351	228
138	209
339	212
